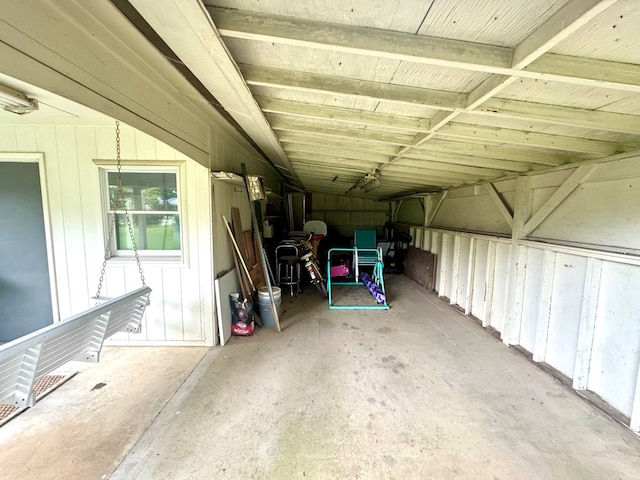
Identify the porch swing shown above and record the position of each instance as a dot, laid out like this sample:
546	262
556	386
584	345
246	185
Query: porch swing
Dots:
80	337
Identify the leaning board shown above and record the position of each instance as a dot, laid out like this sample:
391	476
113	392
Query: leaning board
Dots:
226	284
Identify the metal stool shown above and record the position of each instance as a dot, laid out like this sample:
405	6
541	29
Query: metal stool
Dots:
288	267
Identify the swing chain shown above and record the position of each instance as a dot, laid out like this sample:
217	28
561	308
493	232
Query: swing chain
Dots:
119	202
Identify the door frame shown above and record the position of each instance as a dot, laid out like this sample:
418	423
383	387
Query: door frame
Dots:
38	157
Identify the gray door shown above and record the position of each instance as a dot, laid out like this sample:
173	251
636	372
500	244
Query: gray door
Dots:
25	293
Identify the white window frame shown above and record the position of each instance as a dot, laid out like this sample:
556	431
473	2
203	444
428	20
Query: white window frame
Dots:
157	256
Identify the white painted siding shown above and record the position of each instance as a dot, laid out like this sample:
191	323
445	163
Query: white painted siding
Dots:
181	310
343	213
579	305
616	343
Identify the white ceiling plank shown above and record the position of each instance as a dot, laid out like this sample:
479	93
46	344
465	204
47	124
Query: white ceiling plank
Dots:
442	51
300	140
360	40
282	124
504	165
449	167
578	117
563	23
281	78
551	158
418	173
590	72
322	161
518	137
314	110
188	30
339	153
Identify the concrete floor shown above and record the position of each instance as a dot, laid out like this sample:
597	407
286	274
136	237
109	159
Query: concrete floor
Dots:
415	392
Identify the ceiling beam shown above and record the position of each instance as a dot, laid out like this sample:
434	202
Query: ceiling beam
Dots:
417	173
532	139
449	167
559	115
479	102
336	153
283	124
341	114
329	162
356	146
441	51
505	165
569	18
461	147
313	82
360	40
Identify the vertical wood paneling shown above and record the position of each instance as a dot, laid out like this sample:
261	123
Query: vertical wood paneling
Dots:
490	278
471	272
455	270
544	310
566	304
72	218
47	143
182	299
447	265
587	323
615	358
173	320
480	280
501	269
8	140
531	300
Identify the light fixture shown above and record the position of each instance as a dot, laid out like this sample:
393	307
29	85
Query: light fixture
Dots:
16	102
372	185
369	182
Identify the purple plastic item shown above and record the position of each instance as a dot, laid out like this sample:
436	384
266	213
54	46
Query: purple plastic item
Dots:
375	290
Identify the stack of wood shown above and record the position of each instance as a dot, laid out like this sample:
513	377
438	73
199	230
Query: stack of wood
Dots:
245	251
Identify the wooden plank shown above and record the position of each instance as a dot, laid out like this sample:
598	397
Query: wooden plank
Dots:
236	225
310	82
455	270
569	185
490	278
561	115
436	207
341	114
568	19
532	139
431	50
544	312
468	300
420	267
587	324
502	207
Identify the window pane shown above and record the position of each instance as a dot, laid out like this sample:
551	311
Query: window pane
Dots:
144	191
152	232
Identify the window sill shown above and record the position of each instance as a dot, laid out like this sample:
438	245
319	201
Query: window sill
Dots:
151	260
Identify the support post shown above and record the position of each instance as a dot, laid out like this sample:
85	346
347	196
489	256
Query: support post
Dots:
517	261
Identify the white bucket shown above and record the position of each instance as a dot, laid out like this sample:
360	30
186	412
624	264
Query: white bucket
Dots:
264	304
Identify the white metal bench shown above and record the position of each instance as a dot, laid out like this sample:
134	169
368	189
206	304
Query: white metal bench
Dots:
80	337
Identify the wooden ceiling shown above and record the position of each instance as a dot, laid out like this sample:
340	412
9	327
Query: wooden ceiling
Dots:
430	94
